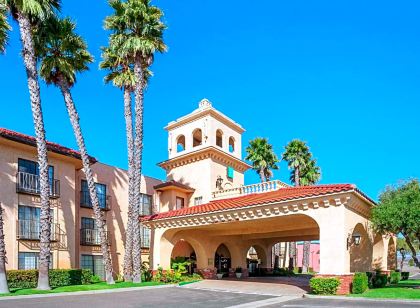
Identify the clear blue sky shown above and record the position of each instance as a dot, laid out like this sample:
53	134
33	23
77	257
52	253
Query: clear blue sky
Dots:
342	75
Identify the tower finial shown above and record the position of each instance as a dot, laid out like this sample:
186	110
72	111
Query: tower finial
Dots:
204	103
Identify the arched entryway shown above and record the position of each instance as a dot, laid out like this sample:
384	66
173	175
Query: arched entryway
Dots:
256	261
222	260
361	252
392	254
184	252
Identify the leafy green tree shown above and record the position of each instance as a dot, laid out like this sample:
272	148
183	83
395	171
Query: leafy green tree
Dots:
27	13
261	154
137	33
62	54
398	212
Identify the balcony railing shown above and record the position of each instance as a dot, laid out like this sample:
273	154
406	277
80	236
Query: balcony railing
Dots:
30	230
29	183
104	200
92	237
249	189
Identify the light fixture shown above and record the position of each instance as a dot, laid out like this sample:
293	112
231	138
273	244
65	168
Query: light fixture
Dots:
354	239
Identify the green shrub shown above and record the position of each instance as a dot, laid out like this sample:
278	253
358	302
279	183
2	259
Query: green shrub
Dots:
395	277
411	262
379	280
27	279
324	286
282	272
405	275
360	283
95	279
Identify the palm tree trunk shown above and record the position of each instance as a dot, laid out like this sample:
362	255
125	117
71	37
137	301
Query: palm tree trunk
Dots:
29	59
305	259
285	255
297	177
128	258
292	255
4	288
262	175
100	222
138	151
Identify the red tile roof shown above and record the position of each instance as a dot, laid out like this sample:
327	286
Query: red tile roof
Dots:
29	140
283	194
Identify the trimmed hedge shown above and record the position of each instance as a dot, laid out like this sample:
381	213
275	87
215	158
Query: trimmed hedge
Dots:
379	280
28	279
360	283
324	286
395	277
405	275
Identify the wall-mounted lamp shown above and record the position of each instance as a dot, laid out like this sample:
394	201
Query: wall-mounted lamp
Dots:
353	239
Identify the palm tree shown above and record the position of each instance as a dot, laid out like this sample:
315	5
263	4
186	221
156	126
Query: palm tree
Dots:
263	158
137	35
27	12
4	28
304	171
62	54
4	288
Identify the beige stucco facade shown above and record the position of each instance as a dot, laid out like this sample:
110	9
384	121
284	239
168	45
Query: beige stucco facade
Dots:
70	242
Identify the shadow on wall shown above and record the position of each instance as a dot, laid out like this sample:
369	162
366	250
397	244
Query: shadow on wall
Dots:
361	255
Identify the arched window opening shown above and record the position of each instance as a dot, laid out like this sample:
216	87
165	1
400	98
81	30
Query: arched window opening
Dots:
222	260
183	252
231	145
219	138
180	144
197	137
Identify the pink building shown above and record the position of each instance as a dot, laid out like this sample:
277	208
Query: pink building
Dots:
313	256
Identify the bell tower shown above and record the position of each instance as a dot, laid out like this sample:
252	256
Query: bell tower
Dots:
205	153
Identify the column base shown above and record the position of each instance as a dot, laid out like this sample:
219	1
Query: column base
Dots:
345	282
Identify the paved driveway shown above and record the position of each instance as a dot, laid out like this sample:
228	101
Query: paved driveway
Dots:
268	287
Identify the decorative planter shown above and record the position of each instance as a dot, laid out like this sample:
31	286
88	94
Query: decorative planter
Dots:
238	275
219	275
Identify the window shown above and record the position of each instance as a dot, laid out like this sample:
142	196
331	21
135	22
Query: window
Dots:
28	223
231	145
145	237
89	232
230	172
88	223
30	260
180	143
197	137
179	203
94	263
219	138
146	205
100	192
29	176
198	200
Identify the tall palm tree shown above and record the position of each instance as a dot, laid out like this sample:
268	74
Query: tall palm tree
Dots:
4	27
4	288
304	171
62	54
121	75
263	158
137	34
27	12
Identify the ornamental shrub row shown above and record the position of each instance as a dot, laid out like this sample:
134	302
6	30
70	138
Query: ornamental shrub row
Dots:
324	286
360	283
27	279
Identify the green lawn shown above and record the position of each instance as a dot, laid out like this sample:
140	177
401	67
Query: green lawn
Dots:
90	287
403	290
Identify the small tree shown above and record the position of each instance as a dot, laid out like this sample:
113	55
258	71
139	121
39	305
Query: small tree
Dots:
398	212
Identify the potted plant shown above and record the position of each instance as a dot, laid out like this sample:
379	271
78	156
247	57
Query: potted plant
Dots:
219	275
238	272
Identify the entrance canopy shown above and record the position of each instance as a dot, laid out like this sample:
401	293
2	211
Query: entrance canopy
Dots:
328	213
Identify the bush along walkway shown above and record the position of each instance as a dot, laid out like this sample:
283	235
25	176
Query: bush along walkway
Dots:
406	289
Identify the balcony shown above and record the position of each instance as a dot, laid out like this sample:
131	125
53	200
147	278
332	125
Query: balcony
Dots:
28	183
91	237
104	200
30	230
249	189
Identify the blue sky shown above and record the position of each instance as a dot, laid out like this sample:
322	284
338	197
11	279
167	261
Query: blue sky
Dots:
342	75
